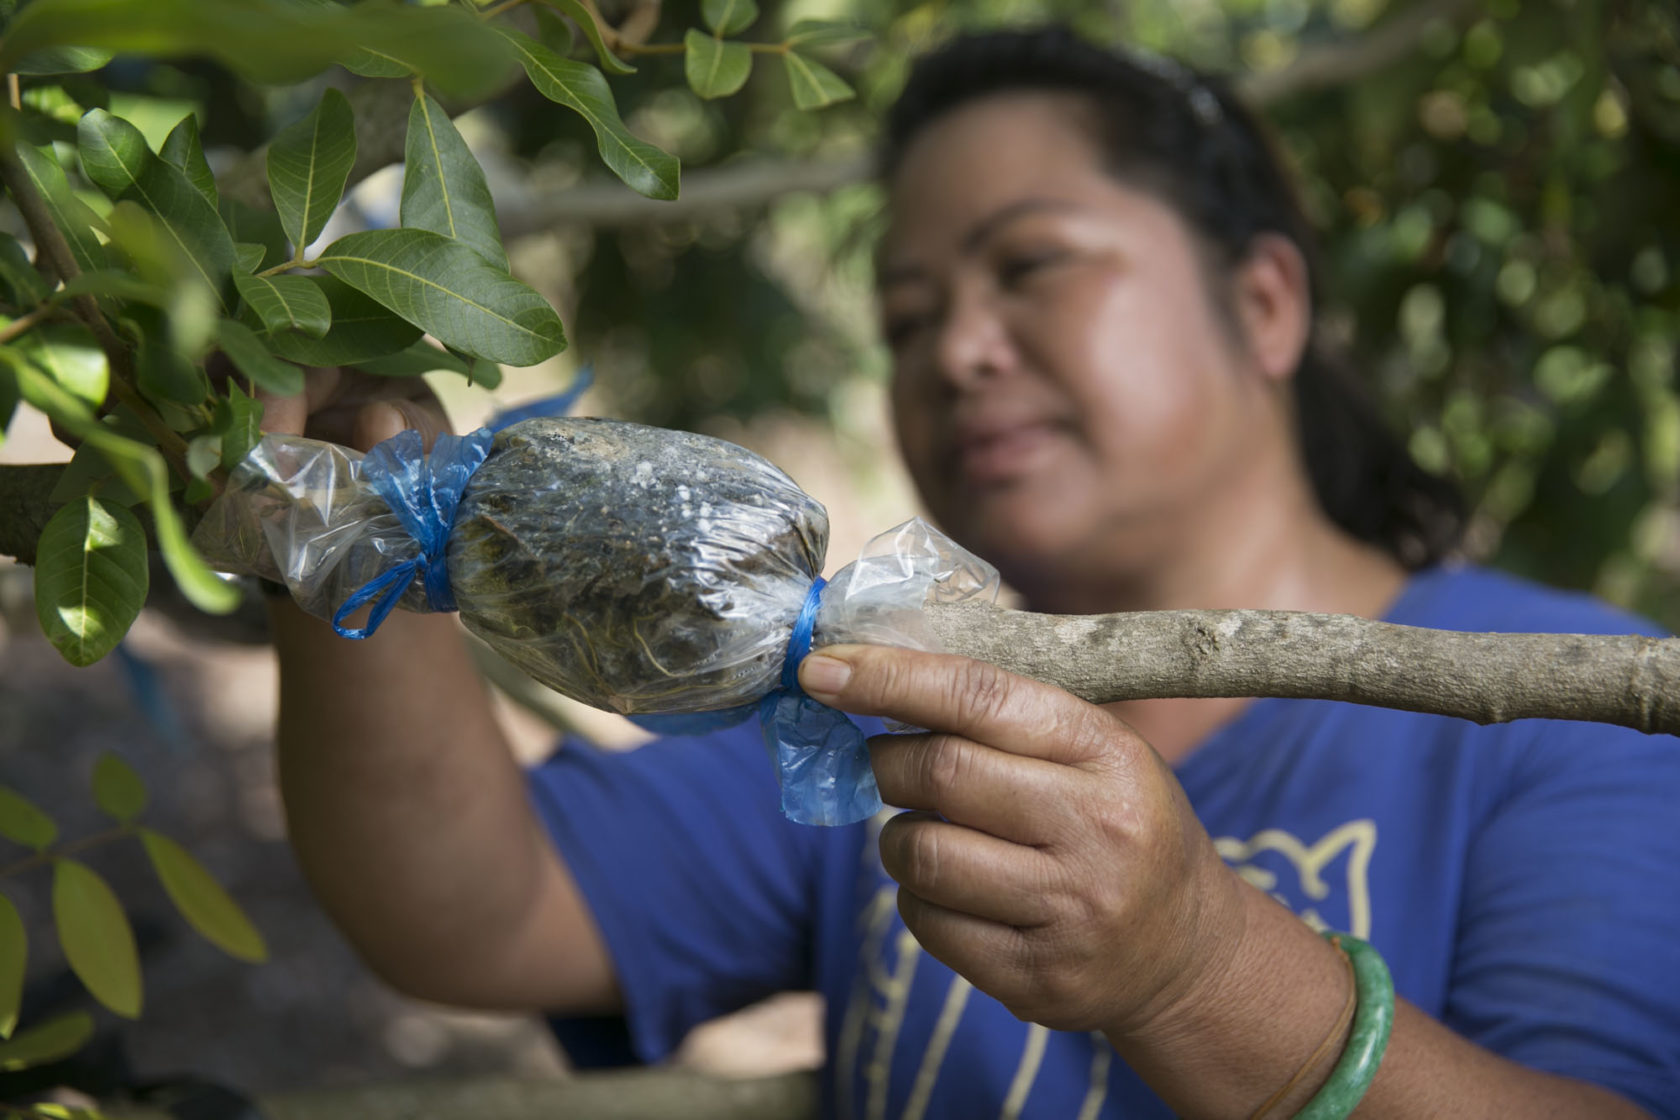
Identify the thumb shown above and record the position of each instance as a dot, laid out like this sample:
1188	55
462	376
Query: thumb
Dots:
380	420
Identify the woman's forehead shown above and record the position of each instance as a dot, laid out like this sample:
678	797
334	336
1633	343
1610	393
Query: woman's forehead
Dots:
1005	132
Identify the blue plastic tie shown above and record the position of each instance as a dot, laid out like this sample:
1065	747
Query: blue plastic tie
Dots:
822	758
799	642
424	491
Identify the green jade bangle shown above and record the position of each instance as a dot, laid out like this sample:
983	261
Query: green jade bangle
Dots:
1373	1019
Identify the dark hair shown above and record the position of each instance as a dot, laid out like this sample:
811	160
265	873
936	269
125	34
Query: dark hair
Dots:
1185	137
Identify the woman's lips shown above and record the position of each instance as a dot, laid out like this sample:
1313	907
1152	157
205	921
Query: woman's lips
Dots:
996	456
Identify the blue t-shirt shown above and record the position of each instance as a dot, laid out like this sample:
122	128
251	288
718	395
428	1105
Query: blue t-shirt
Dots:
1522	880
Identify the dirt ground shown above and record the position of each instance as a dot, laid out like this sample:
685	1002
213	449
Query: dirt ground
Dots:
192	710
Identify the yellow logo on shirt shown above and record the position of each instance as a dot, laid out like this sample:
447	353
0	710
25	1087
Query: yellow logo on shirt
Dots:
1260	858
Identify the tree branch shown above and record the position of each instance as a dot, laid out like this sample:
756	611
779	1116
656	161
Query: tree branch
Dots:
601	1095
747	184
744	183
1628	680
1337	64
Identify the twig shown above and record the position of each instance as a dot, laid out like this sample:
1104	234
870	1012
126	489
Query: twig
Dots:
51	854
1628	680
506	5
742	184
1338	63
14	92
25	322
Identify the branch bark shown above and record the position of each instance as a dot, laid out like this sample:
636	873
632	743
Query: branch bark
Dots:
734	186
1337	64
1628	680
616	1095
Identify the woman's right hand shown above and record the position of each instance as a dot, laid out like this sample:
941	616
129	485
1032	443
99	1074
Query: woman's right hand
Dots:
355	409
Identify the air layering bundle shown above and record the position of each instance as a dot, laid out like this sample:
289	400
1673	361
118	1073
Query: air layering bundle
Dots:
667	576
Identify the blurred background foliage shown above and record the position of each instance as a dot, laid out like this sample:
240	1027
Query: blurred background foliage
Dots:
1495	203
1499	221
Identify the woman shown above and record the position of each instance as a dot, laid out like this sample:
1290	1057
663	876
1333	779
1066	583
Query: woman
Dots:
1097	292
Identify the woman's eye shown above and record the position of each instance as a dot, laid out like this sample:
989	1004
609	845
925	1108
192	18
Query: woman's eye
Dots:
1015	269
899	330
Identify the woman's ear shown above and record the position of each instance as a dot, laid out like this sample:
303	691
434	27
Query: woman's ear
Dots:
1274	304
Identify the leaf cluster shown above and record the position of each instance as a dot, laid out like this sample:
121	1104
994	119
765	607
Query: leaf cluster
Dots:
158	311
93	929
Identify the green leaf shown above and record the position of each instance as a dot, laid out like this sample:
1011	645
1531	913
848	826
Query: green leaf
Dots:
89	467
813	84
62	60
165	375
272	41
21	285
117	789
201	900
247	257
63	1112
450	292
115	156
715	68
553	32
308	165
485	374
255	362
71	356
238	420
95	935
163	372
811	33
56	1038
443	186
248	224
728	17
22	823
90	578
113	151
14	954
204	454
361	329
609	61
72	217
116	284
144	472
370	63
422	357
286	302
182	149
581	88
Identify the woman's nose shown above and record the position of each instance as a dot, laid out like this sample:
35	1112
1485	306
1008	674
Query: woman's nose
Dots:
973	342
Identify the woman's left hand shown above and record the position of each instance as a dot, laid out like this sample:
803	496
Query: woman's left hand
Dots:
1051	858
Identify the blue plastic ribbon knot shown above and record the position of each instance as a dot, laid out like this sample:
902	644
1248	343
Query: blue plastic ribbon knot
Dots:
424	492
821	756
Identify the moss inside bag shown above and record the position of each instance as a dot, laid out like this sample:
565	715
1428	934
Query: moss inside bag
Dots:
670	577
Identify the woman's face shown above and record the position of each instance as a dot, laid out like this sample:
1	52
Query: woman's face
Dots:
1061	381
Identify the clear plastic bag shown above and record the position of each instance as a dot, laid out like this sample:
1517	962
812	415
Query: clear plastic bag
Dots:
636	569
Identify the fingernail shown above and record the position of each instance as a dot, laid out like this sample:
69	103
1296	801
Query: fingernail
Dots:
824	677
